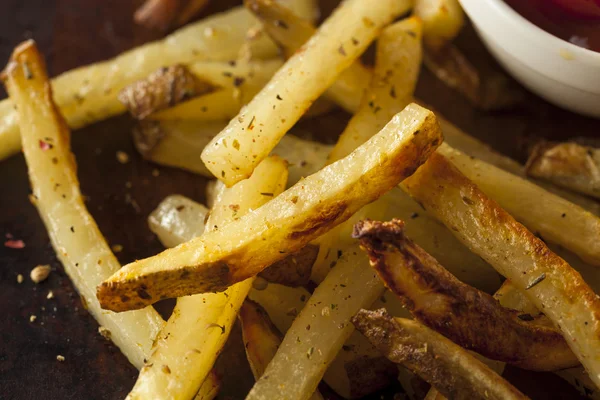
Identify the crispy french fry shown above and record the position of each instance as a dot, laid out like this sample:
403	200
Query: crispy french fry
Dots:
304	212
253	134
88	94
569	164
398	62
442	20
178	143
291	32
449	368
463	314
81	248
550	283
190	342
166	221
554	218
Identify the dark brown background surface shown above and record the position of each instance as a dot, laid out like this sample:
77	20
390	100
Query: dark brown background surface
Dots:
76	32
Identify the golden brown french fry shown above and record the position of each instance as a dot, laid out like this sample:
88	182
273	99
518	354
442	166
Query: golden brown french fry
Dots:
555	219
397	66
550	283
253	134
442	20
190	342
291	32
569	164
465	315
80	246
448	367
304	212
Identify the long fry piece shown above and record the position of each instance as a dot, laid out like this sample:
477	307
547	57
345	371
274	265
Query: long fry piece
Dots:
304	212
468	317
449	368
79	245
554	218
489	231
188	345
290	31
89	94
251	136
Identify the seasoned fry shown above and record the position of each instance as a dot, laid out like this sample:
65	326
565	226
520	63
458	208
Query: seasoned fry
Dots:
548	215
449	368
291	32
570	165
463	314
88	94
442	21
178	143
190	342
550	283
166	220
304	212
267	118
397	66
294	270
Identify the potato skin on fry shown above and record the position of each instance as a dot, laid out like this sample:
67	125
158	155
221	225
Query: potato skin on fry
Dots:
450	369
467	316
294	270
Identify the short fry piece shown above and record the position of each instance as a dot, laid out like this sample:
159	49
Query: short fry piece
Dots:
291	32
449	368
79	245
309	209
267	118
190	342
442	20
470	318
570	165
551	216
166	221
489	231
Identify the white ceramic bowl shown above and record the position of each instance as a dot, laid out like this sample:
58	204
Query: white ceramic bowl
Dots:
560	72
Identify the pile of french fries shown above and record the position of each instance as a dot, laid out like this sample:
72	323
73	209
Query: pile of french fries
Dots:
403	228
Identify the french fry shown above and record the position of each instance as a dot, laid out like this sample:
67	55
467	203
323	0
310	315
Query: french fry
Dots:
304	212
442	21
569	164
552	217
398	62
253	134
88	94
291	32
449	368
190	342
461	313
166	221
550	283
178	143
81	248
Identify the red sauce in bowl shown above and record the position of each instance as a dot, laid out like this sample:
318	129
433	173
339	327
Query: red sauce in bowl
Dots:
576	21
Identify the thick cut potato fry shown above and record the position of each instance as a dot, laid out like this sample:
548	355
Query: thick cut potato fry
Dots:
570	165
253	134
463	314
166	220
178	143
190	342
555	219
489	231
291	32
89	94
304	212
442	20
449	368
397	66
81	248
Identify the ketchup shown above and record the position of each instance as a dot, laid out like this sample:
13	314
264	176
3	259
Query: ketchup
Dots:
576	21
